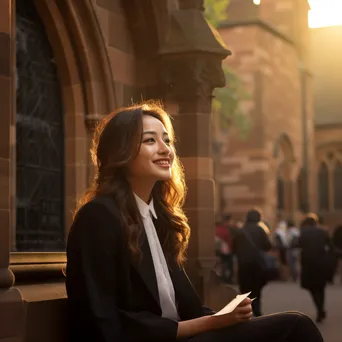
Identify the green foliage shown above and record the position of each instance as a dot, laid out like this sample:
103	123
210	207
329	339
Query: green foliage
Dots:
227	100
216	11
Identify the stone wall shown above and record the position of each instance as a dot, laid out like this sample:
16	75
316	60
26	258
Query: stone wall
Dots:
268	66
329	151
269	54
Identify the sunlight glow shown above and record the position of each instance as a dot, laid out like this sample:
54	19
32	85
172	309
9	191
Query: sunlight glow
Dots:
325	13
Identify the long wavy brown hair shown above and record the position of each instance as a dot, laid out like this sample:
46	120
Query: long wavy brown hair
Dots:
116	141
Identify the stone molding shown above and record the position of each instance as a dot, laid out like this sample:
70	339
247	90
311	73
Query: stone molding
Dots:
192	77
262	24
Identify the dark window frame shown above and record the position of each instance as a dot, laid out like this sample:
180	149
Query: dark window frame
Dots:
40	160
323	192
337	188
41	265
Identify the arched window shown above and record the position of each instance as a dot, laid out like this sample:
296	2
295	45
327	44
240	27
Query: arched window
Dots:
323	187
280	194
338	186
39	138
301	191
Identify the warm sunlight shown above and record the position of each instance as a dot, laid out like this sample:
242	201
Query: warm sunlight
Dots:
325	13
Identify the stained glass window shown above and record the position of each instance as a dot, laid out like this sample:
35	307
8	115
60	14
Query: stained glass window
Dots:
39	137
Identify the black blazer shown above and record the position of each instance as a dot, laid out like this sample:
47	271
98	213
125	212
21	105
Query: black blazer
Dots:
314	243
110	297
246	253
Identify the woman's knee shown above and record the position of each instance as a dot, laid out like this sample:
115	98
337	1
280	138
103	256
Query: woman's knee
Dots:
299	316
296	319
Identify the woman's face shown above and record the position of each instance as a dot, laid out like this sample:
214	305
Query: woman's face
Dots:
155	158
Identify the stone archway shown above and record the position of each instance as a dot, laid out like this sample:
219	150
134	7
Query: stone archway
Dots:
80	51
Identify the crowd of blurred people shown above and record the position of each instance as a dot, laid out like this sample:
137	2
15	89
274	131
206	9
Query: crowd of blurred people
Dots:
251	254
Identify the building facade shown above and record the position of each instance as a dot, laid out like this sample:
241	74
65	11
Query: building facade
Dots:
64	65
276	168
328	120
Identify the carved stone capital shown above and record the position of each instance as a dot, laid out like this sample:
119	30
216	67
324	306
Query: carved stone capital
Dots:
191	55
191	77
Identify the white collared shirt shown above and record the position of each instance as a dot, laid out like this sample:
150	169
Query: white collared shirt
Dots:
164	282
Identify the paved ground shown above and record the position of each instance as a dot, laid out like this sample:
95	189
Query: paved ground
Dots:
289	296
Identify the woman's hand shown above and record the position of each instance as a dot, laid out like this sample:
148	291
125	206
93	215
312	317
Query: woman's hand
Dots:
196	326
242	313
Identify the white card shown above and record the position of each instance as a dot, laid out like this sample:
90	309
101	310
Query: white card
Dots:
230	307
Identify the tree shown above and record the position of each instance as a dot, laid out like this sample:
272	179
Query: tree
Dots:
216	11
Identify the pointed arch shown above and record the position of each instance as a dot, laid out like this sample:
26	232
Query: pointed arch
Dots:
283	143
81	55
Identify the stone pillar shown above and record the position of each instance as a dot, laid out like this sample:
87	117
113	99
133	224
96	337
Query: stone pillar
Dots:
11	308
191	67
7	97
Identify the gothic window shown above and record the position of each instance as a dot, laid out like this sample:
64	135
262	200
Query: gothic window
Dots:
39	138
323	187
281	193
301	191
338	186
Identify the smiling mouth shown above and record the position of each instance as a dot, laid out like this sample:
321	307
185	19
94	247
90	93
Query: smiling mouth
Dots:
162	163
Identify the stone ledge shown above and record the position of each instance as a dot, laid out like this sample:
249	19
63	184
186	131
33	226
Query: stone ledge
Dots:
45	311
42	292
40	266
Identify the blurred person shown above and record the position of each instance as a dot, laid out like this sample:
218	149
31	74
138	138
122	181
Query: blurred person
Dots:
293	252
337	244
230	259
223	239
314	244
228	222
248	242
281	245
332	259
239	224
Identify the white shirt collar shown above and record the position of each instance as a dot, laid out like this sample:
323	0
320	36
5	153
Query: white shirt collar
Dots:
144	208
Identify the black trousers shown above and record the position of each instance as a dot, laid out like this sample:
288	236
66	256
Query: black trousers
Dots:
318	296
251	278
282	327
256	293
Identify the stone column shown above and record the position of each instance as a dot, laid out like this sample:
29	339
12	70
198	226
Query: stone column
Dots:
7	98
11	308
191	67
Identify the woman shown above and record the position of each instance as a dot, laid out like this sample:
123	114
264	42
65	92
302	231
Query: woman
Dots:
249	242
314	243
126	248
